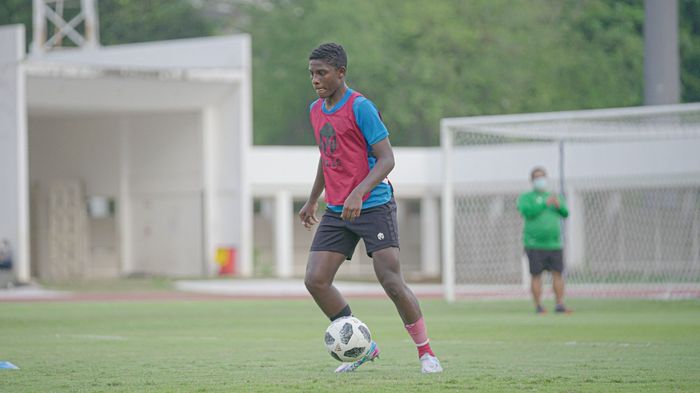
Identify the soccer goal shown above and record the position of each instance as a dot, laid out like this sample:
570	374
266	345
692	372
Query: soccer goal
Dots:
631	179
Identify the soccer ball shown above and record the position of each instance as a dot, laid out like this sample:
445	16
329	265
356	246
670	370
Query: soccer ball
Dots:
347	339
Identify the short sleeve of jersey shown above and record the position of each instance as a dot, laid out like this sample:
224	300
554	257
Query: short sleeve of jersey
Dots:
368	120
312	105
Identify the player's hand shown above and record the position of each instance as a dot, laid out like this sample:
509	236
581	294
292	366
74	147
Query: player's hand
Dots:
307	214
553	201
352	207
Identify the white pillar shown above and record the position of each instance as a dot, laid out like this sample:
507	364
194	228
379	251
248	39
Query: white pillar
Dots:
401	210
14	199
284	245
575	234
124	204
209	129
430	236
245	145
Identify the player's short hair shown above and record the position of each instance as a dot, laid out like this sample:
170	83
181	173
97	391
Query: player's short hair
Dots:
331	53
537	169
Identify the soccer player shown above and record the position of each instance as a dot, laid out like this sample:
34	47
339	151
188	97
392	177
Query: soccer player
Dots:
543	211
356	158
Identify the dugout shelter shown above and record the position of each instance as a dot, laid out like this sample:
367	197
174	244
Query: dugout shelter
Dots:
131	158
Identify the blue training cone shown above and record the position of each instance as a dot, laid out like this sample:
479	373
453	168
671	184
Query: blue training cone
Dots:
7	366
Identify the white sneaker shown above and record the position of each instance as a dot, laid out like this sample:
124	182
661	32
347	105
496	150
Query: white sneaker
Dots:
372	354
430	364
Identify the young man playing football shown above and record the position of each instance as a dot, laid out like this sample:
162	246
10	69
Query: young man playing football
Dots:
356	158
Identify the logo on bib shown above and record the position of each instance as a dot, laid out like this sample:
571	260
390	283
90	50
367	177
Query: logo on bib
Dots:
329	141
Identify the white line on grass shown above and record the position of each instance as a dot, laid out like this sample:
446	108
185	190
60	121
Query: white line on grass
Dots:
91	337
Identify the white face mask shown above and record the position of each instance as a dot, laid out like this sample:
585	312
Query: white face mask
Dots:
540	184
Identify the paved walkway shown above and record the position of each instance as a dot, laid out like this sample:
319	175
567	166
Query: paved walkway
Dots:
294	289
30	292
242	289
291	288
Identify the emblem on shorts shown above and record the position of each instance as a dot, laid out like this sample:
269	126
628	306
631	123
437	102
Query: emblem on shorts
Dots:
380	236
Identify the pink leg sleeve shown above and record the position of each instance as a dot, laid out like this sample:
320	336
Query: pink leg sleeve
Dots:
418	332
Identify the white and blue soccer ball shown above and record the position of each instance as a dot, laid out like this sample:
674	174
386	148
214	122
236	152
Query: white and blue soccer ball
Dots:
347	339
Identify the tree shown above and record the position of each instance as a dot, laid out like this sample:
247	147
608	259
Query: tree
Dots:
17	12
689	37
125	21
421	62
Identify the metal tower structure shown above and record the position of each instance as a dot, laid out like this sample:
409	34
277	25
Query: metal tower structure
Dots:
51	12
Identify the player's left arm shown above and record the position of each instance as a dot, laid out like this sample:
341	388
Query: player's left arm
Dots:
384	154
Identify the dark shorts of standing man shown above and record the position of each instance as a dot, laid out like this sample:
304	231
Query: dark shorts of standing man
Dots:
540	260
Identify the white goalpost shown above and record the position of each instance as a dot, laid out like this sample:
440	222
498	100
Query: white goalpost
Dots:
631	178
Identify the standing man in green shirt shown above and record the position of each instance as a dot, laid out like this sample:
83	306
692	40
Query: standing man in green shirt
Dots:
543	211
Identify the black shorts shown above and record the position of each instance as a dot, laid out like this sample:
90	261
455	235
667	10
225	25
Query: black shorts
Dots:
552	260
377	226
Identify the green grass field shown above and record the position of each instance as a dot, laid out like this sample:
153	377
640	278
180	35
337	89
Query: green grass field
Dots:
258	345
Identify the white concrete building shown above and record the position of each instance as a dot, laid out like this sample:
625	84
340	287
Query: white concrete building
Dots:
281	178
160	130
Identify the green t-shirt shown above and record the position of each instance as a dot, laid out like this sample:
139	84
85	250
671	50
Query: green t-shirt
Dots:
542	223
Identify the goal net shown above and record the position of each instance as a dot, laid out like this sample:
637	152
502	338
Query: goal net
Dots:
631	180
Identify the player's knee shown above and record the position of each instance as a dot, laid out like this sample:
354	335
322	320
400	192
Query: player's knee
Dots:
393	287
315	283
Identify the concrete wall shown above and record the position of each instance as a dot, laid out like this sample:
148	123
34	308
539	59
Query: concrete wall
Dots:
181	196
166	182
226	206
211	52
417	170
507	167
495	170
151	164
74	148
359	267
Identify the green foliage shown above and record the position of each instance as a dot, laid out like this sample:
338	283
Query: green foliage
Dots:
602	64
689	37
124	21
17	12
419	61
276	346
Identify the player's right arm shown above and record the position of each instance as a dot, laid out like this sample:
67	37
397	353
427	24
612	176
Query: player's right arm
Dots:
529	206
307	214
